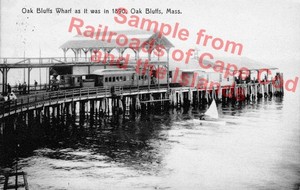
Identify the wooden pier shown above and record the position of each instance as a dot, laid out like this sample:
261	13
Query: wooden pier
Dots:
66	103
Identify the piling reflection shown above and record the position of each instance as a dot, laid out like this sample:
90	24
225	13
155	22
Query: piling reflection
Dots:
136	144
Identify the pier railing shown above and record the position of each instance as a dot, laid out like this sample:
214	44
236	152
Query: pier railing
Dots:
34	100
49	98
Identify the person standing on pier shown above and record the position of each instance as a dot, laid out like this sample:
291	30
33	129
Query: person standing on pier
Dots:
24	86
20	88
8	88
35	84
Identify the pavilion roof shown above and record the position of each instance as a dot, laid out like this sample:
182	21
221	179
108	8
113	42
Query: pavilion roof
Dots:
239	62
82	42
247	63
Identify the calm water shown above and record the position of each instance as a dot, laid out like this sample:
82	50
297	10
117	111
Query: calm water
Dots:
258	148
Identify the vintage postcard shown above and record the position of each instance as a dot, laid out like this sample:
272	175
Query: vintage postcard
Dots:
196	94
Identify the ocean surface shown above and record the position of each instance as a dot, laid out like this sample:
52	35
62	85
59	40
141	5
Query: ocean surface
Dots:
258	148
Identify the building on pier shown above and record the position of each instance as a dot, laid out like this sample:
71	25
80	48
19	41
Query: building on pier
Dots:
235	70
151	55
147	53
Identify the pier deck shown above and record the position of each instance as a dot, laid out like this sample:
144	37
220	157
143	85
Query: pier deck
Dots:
44	98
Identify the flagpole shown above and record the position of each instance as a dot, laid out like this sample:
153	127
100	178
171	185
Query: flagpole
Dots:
40	68
24	69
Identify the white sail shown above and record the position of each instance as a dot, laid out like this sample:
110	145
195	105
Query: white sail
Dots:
212	111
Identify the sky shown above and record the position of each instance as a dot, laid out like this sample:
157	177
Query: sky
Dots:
268	30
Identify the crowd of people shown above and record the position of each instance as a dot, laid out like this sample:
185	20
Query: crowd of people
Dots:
21	89
9	95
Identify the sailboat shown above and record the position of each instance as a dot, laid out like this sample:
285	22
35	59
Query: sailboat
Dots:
212	115
212	111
